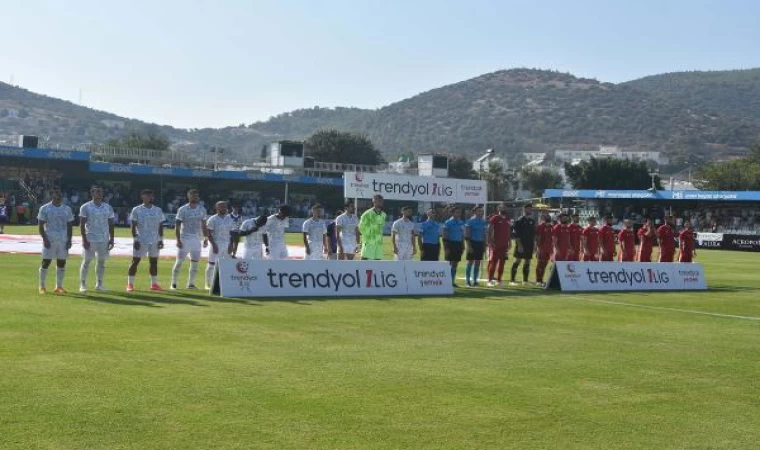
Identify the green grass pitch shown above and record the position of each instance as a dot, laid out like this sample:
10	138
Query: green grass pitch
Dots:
486	369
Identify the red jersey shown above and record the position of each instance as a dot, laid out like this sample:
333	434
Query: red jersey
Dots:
646	242
561	233
502	230
666	236
627	240
686	239
607	241
575	240
591	249
544	238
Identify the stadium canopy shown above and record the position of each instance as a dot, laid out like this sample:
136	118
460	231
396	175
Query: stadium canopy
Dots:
593	194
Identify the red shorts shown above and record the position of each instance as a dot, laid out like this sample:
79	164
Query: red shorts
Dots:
626	257
686	258
590	258
645	256
498	252
667	255
607	257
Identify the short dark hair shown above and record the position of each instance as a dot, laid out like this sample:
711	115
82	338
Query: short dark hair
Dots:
527	205
348	203
316	206
406	208
95	187
146	192
285	209
193	191
378	197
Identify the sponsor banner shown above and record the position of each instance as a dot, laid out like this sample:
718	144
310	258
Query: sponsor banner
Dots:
41	153
746	243
421	189
140	169
585	277
740	196
244	278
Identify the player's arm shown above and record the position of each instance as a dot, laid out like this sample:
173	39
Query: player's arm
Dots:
111	230
415	237
161	232
419	236
394	236
490	232
83	226
43	233
467	235
326	241
555	242
339	236
305	233
584	243
177	230
210	236
69	230
133	227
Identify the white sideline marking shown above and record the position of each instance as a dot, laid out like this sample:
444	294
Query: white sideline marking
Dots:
634	305
665	308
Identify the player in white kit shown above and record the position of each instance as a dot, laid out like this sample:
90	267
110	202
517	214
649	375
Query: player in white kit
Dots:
403	236
190	230
219	226
315	235
348	238
56	221
253	231
147	222
274	239
96	222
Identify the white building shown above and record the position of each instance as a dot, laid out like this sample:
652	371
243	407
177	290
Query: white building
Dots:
609	152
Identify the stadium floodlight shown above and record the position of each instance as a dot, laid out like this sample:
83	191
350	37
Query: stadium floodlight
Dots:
480	161
653	173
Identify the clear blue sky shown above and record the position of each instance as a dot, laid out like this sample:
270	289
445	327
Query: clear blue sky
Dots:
216	63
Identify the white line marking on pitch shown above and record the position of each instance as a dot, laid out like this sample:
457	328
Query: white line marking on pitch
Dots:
664	308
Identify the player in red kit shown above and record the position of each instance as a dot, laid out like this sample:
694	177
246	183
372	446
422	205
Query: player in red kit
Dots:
590	241
544	246
561	239
576	231
499	237
666	240
646	242
607	241
687	250
627	239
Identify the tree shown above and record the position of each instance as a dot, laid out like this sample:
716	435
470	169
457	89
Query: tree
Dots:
608	173
498	181
461	167
150	138
737	175
339	147
537	180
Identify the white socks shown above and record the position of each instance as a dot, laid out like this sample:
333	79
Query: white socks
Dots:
209	274
193	273
43	276
175	271
59	273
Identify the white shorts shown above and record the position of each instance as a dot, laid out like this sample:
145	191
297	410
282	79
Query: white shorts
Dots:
150	249
254	254
404	255
190	247
349	249
97	249
223	254
58	250
317	253
278	252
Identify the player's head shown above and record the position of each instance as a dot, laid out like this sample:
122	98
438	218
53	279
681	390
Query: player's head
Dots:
284	211
316	211
503	209
455	212
687	224
96	192
627	223
477	211
430	213
147	196
608	219
221	208
527	210
235	208
377	201
55	195
406	212
592	221
546	217
349	207
193	196
576	218
564	219
669	220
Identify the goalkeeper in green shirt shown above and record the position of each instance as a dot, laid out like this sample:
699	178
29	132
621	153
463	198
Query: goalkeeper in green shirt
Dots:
371	227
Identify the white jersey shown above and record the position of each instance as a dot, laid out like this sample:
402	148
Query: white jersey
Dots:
149	220
348	225
57	220
253	242
192	221
237	221
219	227
98	219
275	230
315	231
405	231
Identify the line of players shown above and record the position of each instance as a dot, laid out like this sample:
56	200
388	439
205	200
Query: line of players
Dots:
265	237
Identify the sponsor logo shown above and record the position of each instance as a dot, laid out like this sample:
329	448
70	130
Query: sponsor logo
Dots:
255	176
241	267
370	279
12	152
677	195
202	173
119	168
432	278
359	177
627	276
569	193
60	155
710	244
600	194
434	189
161	171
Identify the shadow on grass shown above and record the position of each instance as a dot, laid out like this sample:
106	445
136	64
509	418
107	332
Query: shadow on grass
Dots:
212	298
157	298
104	298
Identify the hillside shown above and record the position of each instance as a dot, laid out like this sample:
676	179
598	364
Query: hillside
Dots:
512	111
731	92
